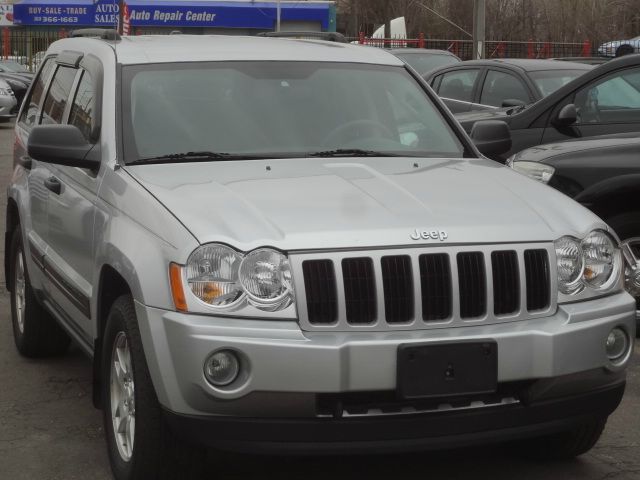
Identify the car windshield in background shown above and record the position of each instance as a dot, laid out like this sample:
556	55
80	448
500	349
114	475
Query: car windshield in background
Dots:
423	63
231	110
548	81
14	66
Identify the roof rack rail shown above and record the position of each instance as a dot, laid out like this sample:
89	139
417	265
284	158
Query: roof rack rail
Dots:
327	36
101	33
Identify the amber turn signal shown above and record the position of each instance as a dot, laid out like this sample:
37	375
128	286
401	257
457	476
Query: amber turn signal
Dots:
177	290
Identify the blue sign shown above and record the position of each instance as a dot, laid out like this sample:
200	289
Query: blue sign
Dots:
69	12
147	13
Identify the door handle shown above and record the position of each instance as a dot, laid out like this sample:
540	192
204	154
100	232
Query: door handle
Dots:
25	161
53	184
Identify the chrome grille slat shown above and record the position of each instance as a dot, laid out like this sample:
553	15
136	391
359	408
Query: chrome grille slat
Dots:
380	321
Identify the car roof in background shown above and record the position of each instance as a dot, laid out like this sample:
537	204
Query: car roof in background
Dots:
417	51
531	65
618	141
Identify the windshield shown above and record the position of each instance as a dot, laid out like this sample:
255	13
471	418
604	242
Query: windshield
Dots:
423	63
548	81
278	110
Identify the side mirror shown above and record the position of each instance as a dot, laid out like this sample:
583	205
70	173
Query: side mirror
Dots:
512	102
61	145
567	116
491	137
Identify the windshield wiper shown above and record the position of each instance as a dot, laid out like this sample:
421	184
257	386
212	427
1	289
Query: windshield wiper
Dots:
352	152
193	157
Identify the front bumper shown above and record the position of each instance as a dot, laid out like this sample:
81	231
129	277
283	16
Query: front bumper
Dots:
288	368
8	107
398	434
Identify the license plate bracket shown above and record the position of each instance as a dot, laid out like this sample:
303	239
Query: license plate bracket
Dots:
447	369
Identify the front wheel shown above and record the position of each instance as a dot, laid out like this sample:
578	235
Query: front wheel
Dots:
565	445
139	444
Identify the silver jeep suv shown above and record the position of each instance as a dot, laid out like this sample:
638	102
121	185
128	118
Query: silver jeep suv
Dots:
276	245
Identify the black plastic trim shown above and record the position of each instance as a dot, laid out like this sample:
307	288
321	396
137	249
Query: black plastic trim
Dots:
396	433
79	300
69	58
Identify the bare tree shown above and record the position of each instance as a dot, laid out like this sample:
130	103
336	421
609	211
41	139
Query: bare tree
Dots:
542	20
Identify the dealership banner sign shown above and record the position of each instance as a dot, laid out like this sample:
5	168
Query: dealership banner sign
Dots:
6	14
141	13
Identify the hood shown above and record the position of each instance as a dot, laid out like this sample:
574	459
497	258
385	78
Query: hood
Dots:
468	119
295	204
593	146
16	77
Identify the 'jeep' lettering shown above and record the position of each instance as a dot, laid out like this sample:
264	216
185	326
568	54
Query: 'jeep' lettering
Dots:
429	235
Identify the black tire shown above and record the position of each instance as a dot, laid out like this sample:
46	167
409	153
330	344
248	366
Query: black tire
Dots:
156	454
626	226
624	50
39	335
565	445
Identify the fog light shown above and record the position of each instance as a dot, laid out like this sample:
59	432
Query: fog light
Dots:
222	368
617	344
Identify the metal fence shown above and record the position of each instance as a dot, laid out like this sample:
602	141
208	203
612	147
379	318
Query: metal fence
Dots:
28	46
492	49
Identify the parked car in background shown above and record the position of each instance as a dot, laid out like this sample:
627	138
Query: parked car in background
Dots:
603	174
425	60
17	76
490	84
603	101
8	103
12	66
588	60
307	35
619	48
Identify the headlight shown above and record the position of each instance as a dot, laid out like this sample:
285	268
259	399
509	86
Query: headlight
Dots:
265	276
537	171
589	267
600	254
212	275
5	92
570	265
225	279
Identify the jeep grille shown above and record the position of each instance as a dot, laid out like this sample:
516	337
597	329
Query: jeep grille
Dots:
423	288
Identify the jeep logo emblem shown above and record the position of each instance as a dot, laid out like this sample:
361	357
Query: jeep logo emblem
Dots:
429	235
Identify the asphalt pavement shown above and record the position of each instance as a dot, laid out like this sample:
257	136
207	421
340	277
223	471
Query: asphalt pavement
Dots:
49	429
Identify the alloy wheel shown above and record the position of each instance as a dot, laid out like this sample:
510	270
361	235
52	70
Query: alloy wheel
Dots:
19	291
122	391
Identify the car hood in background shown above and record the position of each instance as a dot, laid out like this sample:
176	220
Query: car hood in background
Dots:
592	146
321	204
467	119
18	77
